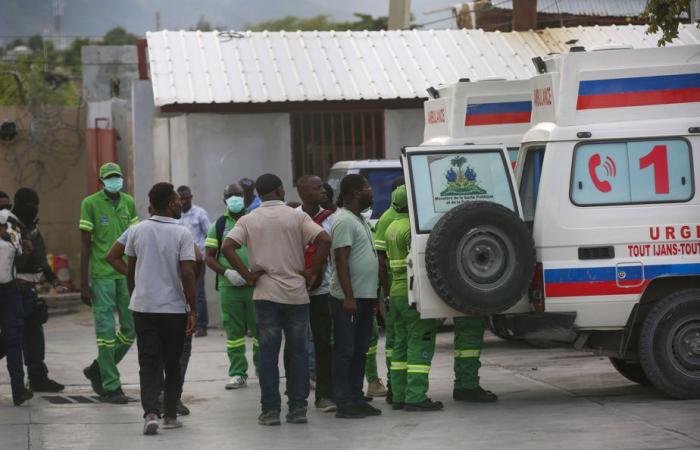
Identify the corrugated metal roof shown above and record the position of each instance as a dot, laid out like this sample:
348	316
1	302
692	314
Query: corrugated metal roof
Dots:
210	67
599	8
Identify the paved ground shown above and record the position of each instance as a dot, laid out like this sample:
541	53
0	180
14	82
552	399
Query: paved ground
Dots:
549	399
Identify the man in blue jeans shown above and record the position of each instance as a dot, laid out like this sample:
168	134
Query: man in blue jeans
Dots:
276	236
353	297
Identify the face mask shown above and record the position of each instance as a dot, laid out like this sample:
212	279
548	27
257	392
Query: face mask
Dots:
367	213
235	204
113	185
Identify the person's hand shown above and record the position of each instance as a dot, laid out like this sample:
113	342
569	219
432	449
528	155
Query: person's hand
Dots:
191	323
313	279
86	294
253	277
235	278
350	306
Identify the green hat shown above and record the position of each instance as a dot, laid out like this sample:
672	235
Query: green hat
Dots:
110	168
399	198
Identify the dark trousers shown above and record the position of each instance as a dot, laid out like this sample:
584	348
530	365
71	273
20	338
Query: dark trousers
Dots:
11	324
272	320
185	358
160	338
321	328
33	345
202	311
350	345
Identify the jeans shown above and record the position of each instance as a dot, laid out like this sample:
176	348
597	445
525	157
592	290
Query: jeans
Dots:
351	341
33	345
160	338
272	319
321	327
202	312
11	325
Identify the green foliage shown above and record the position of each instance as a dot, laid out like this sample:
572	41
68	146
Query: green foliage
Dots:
665	16
119	36
321	23
204	25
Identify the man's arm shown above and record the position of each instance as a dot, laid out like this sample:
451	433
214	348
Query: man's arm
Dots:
131	274
213	263
342	265
115	258
85	244
323	247
229	251
189	281
383	275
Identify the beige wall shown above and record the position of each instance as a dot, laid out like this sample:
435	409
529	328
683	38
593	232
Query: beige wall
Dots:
49	155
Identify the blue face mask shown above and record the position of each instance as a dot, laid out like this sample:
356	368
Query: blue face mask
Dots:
113	185
235	204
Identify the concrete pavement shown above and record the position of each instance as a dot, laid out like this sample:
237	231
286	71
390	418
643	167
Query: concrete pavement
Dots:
549	399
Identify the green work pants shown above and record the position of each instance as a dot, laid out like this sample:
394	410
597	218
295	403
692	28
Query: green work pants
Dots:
414	346
237	317
469	337
111	295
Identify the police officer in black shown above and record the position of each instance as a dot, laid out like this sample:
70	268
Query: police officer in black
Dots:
32	266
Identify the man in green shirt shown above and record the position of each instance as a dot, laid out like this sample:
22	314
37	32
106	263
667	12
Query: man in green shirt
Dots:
235	294
414	338
104	216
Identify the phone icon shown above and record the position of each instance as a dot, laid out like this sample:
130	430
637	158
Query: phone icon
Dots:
593	163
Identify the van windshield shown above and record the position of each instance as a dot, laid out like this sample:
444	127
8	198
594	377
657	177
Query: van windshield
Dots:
530	182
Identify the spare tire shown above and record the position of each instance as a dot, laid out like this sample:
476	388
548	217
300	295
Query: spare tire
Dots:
480	258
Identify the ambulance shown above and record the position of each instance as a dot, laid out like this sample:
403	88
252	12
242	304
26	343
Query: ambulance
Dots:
605	187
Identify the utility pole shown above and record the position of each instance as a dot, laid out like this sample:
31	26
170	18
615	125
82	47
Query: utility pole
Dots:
694	11
399	14
157	20
524	15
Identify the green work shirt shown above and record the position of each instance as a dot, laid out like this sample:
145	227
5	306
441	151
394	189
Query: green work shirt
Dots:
213	242
380	229
398	246
352	231
105	221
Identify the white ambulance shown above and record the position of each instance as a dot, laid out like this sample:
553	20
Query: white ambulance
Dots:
606	184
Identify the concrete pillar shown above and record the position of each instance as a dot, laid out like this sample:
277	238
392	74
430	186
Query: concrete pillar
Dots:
524	15
399	14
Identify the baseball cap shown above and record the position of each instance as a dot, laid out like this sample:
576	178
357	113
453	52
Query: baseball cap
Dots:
110	168
399	198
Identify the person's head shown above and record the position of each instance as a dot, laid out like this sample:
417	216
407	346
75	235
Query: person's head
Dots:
185	194
248	186
5	202
269	187
26	205
399	199
310	189
328	204
396	182
355	192
233	198
165	201
111	177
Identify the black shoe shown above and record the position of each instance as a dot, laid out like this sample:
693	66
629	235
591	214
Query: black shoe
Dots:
368	409
92	373
297	415
21	396
115	397
477	395
46	385
425	405
349	412
397	406
182	410
367	399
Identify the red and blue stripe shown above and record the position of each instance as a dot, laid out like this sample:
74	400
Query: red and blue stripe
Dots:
639	91
594	281
498	113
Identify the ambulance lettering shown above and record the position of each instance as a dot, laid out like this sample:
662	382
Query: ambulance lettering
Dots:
436	116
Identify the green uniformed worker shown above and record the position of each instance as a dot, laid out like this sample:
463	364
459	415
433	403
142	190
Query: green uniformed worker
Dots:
104	216
414	338
468	340
234	293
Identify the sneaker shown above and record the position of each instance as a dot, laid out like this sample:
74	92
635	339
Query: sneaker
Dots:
21	395
297	415
182	410
92	373
325	405
375	388
349	412
269	418
397	406
150	424
477	395
200	332
425	405
170	423
369	410
115	397
236	382
46	385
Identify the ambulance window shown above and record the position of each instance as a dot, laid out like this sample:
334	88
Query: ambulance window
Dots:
444	180
530	182
632	172
513	155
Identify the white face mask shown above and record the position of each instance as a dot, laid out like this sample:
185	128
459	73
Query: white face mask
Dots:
367	213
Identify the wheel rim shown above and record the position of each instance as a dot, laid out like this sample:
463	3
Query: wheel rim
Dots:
483	256
684	341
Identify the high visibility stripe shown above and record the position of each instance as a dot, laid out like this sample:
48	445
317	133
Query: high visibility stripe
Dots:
256	342
211	243
469	353
134	221
418	368
397	263
379	244
240	344
86	225
388	352
235	343
372	350
124	339
399	365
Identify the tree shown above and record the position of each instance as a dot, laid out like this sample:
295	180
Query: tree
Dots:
119	36
665	16
204	25
321	22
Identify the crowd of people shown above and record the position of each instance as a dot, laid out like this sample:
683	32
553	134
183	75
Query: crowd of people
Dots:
316	274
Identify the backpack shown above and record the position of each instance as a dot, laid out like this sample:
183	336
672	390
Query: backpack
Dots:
311	249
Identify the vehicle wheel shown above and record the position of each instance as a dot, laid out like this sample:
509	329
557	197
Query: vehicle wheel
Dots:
480	258
631	370
498	332
669	344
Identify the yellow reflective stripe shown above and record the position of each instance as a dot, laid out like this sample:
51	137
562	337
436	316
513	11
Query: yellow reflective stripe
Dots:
235	343
211	243
399	365
470	353
418	368
134	220
379	244
372	350
86	225
124	339
397	263
256	343
106	343
388	352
